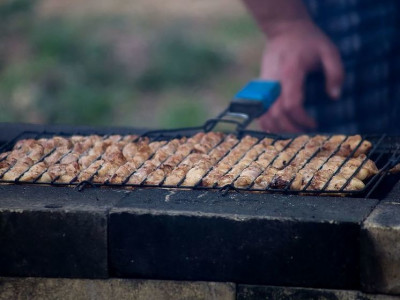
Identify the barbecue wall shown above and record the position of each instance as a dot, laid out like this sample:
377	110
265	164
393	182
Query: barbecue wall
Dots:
319	242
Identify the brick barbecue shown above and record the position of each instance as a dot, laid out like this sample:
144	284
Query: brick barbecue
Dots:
252	240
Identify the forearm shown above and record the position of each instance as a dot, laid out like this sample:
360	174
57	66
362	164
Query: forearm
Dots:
273	15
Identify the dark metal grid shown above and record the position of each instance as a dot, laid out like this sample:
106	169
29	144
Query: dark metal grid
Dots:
74	180
80	172
198	184
385	153
34	135
184	177
287	187
133	172
232	185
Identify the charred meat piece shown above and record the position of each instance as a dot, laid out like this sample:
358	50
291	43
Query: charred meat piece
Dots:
229	161
178	174
123	172
34	172
159	157
21	166
207	142
264	180
89	172
143	153
250	156
248	175
157	176
352	143
198	171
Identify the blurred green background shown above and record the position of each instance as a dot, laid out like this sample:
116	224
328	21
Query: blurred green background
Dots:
143	63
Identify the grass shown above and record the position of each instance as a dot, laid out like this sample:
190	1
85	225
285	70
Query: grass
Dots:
179	61
181	73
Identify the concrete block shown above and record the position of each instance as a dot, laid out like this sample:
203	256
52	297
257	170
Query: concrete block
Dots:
54	231
247	292
380	250
121	289
242	238
393	189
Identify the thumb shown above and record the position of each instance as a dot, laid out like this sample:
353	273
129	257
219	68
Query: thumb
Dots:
334	71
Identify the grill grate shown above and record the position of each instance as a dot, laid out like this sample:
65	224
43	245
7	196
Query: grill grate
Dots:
385	153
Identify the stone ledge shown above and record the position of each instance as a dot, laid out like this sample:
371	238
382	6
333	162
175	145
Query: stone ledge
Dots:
394	193
121	289
248	292
54	232
242	238
380	250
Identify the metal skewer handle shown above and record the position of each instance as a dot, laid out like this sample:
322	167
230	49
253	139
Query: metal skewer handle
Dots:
255	98
252	101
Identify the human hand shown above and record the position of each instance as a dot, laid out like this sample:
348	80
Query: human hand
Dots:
295	49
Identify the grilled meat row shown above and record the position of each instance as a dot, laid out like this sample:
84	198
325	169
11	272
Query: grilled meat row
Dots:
206	159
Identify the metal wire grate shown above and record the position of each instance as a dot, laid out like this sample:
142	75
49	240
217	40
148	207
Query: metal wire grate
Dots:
385	153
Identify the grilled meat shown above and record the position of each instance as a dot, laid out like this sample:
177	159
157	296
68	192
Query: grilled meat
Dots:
250	156
178	174
157	176
143	152
210	159
159	157
90	171
280	159
248	175
198	171
199	157
284	177
231	159
34	172
20	167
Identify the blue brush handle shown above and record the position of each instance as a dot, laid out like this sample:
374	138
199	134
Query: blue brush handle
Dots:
256	97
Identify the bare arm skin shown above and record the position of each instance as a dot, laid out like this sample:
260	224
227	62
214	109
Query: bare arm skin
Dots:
295	47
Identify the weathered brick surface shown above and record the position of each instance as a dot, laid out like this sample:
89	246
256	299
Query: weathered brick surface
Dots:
380	245
121	289
243	238
56	232
247	292
393	194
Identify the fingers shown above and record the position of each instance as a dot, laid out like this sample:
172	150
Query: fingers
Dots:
270	66
275	121
333	69
289	58
293	75
287	115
